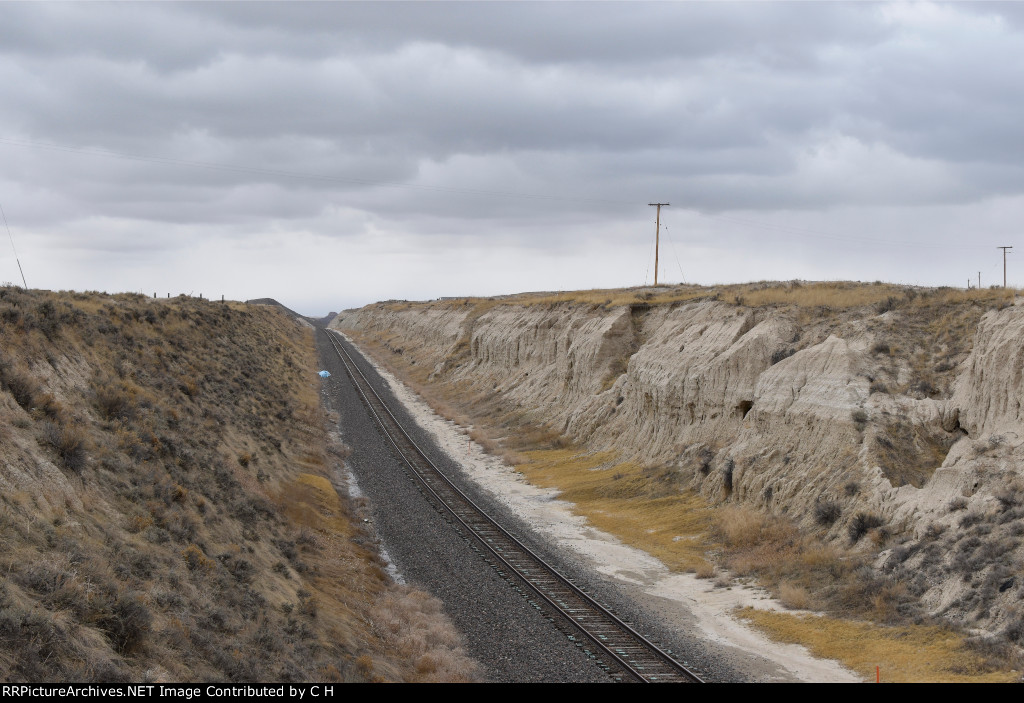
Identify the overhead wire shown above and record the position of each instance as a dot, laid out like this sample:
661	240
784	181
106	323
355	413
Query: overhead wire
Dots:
842	238
671	242
650	257
13	248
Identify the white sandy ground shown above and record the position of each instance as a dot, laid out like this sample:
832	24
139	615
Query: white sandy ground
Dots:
346	476
711	608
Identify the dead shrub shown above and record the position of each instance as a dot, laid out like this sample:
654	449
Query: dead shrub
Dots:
22	386
307	603
242	569
741	526
364	666
44	578
481	438
181	525
970	519
879	536
410	621
113	401
826	512
793	596
861	523
860	419
195	559
126	623
705	570
46	405
69	443
1009	496
189	387
252	509
138	523
890	303
37	636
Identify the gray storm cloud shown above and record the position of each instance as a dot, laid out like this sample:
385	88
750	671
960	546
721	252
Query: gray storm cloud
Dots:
502	144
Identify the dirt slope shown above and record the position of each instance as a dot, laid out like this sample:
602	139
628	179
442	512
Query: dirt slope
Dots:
167	509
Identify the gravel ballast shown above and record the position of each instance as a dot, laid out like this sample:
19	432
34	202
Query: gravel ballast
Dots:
512	641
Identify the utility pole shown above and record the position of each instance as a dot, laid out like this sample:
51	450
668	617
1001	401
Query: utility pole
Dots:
979	280
657	237
1004	262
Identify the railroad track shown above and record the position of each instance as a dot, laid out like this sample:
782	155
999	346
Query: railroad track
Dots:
623	652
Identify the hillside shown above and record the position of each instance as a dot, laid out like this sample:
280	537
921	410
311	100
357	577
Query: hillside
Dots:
167	509
856	447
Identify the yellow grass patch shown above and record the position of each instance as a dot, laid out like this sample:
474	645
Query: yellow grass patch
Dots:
907	654
612	297
845	294
312	502
618	498
833	294
420	645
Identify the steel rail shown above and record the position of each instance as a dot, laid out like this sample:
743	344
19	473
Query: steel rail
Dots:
628	649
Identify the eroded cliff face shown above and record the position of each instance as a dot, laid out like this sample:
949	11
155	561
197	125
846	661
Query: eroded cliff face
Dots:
826	418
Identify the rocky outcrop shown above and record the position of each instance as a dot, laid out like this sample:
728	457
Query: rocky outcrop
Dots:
772	406
658	385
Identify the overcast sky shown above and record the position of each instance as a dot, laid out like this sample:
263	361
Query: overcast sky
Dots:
334	154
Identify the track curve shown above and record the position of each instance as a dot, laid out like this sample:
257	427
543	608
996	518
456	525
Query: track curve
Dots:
622	651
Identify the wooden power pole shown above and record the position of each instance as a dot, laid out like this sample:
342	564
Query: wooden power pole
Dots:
657	237
1004	263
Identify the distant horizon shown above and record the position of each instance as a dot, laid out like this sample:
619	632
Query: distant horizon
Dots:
665	286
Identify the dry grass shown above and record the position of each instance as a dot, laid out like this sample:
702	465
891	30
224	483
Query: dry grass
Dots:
619	498
310	501
843	295
903	654
414	642
164	506
744	528
802	571
410	621
838	295
792	596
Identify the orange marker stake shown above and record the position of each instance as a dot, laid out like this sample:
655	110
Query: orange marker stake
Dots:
878	674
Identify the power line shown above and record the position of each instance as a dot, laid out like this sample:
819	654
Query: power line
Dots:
11	237
834	237
682	278
647	271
